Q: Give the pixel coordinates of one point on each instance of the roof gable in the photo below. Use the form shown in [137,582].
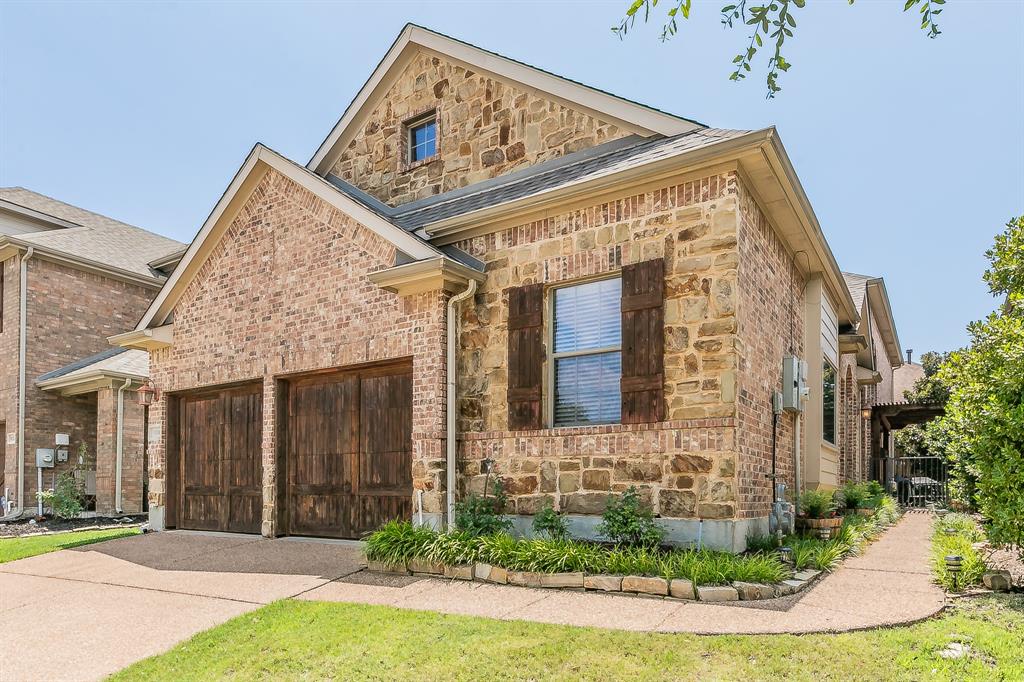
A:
[629,116]
[259,162]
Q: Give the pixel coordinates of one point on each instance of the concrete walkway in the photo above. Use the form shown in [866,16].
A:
[84,613]
[889,584]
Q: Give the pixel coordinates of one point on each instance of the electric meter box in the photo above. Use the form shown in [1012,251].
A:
[44,458]
[62,439]
[794,383]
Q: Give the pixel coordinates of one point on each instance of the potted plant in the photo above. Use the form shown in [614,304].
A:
[817,511]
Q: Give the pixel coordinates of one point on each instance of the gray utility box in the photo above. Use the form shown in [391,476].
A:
[794,383]
[45,458]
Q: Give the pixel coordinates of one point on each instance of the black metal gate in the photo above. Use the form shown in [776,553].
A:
[914,481]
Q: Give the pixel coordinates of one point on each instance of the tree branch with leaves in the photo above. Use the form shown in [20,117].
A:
[771,23]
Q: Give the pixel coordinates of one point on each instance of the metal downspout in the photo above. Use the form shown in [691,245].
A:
[451,445]
[22,335]
[120,445]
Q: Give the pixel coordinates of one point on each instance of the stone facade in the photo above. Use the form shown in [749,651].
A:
[286,292]
[685,467]
[71,313]
[486,128]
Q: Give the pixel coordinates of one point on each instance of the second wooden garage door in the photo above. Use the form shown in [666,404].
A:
[349,458]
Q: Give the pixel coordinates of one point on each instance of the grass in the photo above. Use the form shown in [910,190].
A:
[293,640]
[12,549]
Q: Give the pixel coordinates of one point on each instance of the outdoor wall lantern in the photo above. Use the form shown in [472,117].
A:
[147,394]
[954,562]
[865,412]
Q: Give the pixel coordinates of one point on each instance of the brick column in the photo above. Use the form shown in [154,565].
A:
[106,449]
[106,452]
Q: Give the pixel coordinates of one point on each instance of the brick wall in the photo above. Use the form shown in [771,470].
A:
[285,291]
[132,455]
[770,318]
[70,315]
[485,128]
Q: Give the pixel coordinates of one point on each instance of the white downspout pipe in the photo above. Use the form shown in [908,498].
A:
[451,445]
[120,445]
[22,335]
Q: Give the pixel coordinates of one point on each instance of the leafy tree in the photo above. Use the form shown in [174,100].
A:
[930,438]
[772,22]
[985,412]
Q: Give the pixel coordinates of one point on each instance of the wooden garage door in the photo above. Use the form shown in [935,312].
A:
[221,472]
[349,453]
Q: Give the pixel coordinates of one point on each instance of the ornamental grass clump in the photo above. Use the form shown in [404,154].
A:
[397,542]
[956,535]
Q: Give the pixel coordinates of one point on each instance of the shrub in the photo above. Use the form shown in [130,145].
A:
[66,498]
[854,495]
[482,514]
[549,523]
[960,524]
[627,522]
[971,569]
[817,504]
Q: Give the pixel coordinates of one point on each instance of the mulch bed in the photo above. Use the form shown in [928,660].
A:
[23,527]
[1007,560]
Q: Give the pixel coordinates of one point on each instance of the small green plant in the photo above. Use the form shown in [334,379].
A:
[67,497]
[550,523]
[956,535]
[482,514]
[627,522]
[817,504]
[761,543]
[854,495]
[828,554]
[397,542]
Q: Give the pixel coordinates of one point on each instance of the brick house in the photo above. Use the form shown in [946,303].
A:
[487,266]
[70,279]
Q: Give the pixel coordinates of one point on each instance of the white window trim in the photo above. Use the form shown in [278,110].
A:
[412,123]
[548,390]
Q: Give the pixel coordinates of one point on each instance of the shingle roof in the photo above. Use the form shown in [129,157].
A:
[100,239]
[589,164]
[858,286]
[119,360]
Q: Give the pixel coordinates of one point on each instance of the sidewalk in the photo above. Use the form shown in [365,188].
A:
[890,584]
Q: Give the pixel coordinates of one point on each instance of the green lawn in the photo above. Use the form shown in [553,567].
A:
[316,640]
[12,549]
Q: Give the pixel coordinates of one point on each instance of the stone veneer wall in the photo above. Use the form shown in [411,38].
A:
[684,466]
[486,128]
[285,291]
[70,315]
[771,305]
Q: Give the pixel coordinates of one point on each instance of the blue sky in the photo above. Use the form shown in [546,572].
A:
[911,150]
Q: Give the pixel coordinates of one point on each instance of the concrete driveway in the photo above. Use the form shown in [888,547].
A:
[81,614]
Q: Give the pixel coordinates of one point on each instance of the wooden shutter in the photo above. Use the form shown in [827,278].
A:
[643,342]
[525,356]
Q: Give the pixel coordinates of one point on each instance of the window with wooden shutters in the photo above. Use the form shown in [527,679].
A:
[643,342]
[586,345]
[525,356]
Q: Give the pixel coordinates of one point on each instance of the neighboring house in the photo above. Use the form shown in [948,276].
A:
[906,377]
[484,267]
[70,279]
[868,355]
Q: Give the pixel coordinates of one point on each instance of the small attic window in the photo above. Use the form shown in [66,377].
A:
[422,138]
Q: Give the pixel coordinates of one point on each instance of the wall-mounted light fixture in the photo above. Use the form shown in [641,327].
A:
[865,412]
[147,394]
